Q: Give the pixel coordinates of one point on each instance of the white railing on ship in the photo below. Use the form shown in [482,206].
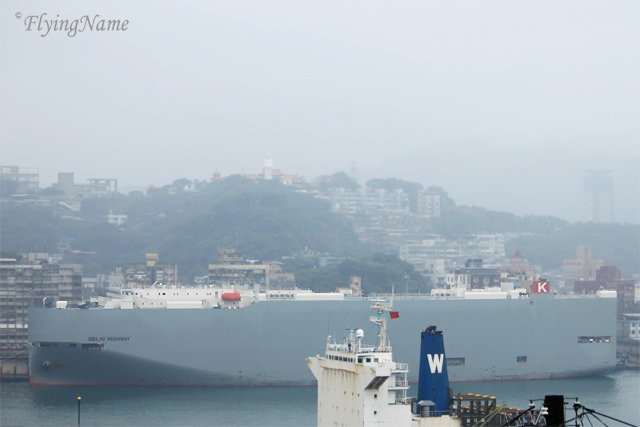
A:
[399,383]
[361,349]
[425,296]
[401,367]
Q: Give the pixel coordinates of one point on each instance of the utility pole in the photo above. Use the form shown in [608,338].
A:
[79,399]
[406,283]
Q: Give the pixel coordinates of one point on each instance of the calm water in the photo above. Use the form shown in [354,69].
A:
[617,394]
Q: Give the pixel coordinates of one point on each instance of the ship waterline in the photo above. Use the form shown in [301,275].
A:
[266,343]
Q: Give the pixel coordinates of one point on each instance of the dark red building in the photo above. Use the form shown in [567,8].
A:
[608,278]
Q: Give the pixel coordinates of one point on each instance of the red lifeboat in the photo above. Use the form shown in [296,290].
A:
[231,296]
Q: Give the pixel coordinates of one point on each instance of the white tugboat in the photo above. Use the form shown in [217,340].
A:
[361,385]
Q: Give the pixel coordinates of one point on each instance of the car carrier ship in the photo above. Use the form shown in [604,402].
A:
[227,336]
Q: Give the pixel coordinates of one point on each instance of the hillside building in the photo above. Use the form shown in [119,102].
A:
[477,276]
[367,200]
[234,268]
[66,184]
[518,266]
[428,204]
[150,272]
[116,219]
[32,281]
[433,255]
[582,267]
[18,180]
[95,188]
[609,277]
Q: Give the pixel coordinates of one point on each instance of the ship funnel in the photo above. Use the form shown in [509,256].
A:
[433,382]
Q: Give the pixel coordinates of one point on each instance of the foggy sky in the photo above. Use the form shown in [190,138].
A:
[505,104]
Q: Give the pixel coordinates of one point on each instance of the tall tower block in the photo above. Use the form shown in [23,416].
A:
[598,196]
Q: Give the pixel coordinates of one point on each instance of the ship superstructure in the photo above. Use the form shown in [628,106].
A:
[362,385]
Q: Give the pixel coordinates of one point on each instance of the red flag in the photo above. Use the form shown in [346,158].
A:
[394,314]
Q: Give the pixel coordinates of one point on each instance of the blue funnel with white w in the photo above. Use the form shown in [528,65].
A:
[433,384]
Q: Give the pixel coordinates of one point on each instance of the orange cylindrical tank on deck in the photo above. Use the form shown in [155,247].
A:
[231,296]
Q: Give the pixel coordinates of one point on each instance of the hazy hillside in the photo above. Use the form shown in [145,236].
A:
[264,220]
[379,272]
[267,220]
[546,240]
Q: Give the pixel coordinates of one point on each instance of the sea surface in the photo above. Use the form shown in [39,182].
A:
[617,395]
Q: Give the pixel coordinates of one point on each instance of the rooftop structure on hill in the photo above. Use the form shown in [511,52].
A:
[18,180]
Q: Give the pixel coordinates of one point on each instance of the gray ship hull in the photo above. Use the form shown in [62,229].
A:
[266,343]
